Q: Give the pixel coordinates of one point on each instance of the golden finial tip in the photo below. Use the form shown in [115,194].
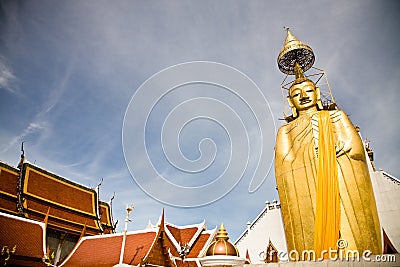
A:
[222,233]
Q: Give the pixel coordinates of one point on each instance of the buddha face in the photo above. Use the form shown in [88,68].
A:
[303,96]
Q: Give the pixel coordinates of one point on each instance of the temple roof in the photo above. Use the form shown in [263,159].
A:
[391,178]
[70,205]
[8,188]
[104,250]
[203,241]
[28,237]
[157,245]
[73,208]
[184,234]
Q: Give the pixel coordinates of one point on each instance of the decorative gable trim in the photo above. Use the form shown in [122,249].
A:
[210,239]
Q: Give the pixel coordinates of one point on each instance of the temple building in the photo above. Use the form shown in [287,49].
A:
[59,211]
[163,244]
[48,220]
[264,234]
[386,191]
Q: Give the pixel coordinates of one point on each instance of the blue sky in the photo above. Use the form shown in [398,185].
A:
[69,69]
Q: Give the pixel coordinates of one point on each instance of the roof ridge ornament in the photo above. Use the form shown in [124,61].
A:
[23,159]
[222,233]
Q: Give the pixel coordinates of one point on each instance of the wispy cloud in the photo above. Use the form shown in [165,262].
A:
[7,78]
[39,124]
[33,127]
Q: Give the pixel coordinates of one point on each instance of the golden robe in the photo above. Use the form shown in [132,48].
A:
[296,161]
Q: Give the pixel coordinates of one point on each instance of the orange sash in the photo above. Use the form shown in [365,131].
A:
[327,217]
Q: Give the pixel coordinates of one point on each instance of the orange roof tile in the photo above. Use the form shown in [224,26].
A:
[8,188]
[95,251]
[48,187]
[105,213]
[201,244]
[137,246]
[71,205]
[194,235]
[8,205]
[150,245]
[182,235]
[168,243]
[104,250]
[27,235]
[8,180]
[62,219]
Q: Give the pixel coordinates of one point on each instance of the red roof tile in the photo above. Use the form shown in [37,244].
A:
[137,246]
[105,213]
[8,205]
[149,245]
[182,235]
[104,250]
[48,187]
[194,235]
[96,251]
[71,205]
[8,180]
[27,235]
[171,246]
[201,243]
[8,188]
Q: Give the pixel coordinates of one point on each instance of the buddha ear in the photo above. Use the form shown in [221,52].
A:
[319,102]
[294,110]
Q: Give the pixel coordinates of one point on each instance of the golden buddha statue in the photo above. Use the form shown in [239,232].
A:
[321,170]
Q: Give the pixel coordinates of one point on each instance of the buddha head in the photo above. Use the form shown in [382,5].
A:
[303,95]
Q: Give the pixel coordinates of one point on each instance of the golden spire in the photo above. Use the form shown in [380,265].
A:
[222,233]
[292,52]
[290,37]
